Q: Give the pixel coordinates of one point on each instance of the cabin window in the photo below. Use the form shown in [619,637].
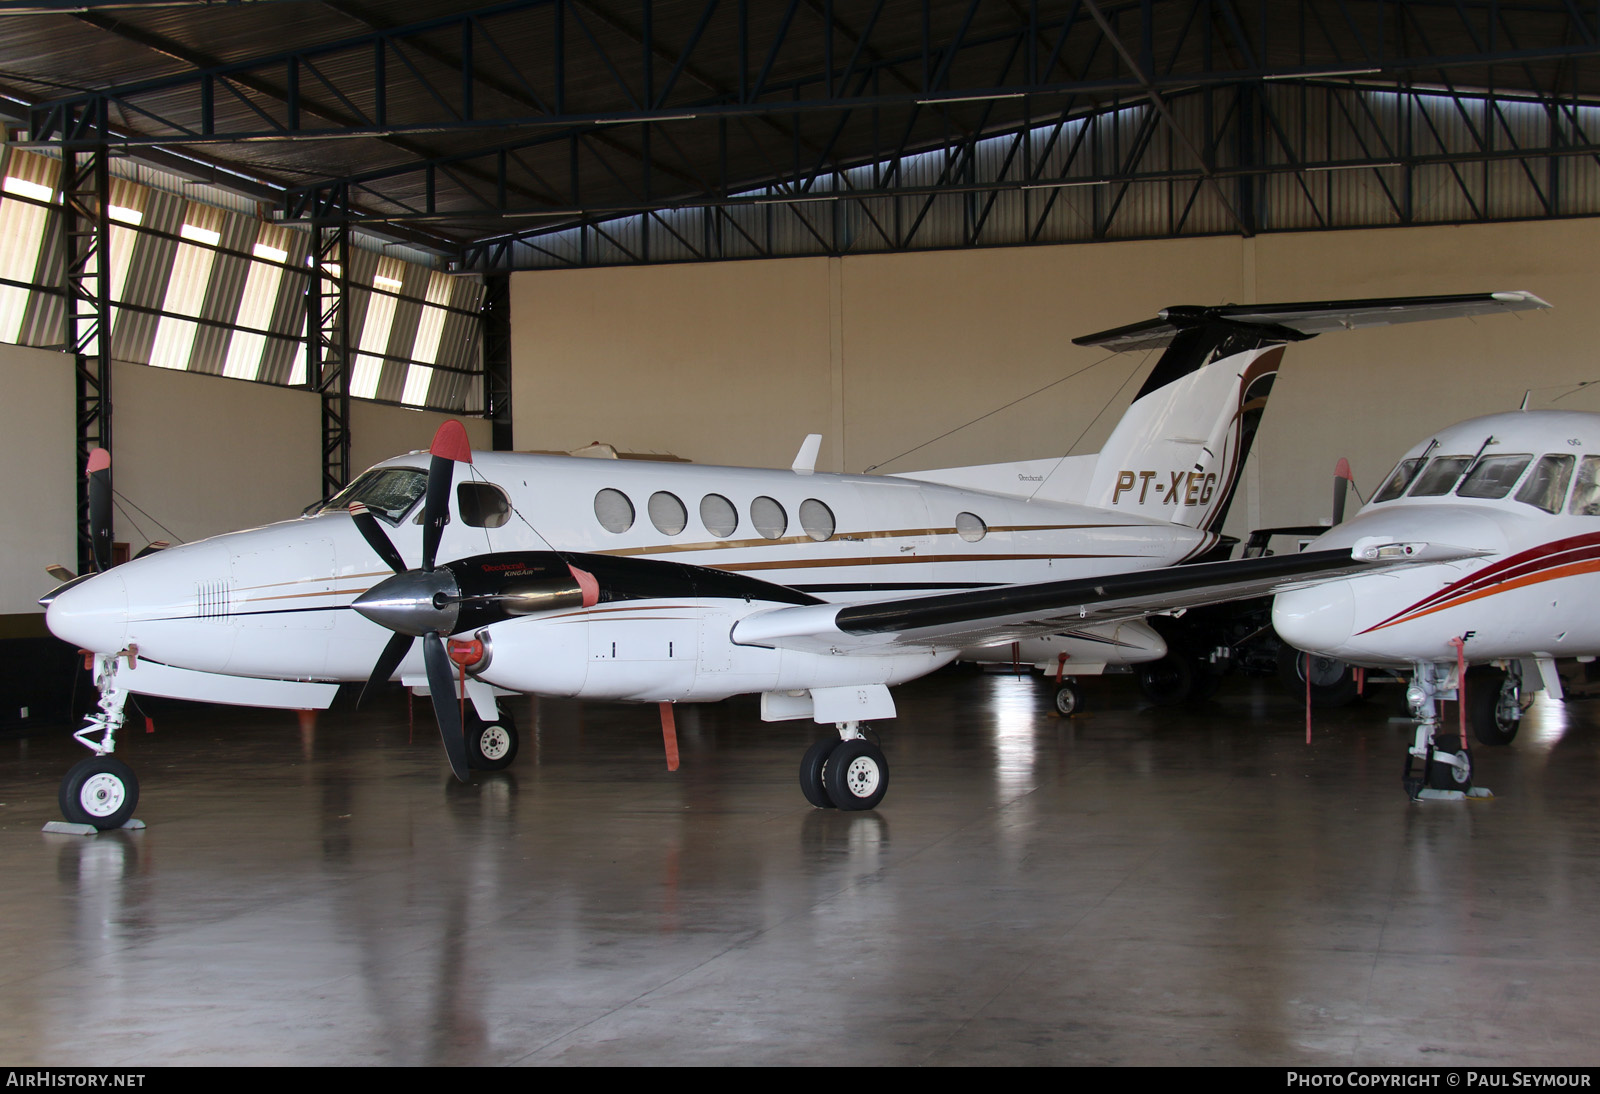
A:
[970,527]
[1440,476]
[482,505]
[769,518]
[613,510]
[1399,479]
[718,515]
[1586,495]
[1494,476]
[667,513]
[1546,487]
[817,519]
[387,492]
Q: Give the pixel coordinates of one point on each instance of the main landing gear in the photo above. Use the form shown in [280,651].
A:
[101,791]
[1446,762]
[491,746]
[847,773]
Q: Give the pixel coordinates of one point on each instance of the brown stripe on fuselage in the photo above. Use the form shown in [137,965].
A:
[892,560]
[886,533]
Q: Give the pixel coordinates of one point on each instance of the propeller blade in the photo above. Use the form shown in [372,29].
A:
[442,689]
[389,660]
[99,472]
[377,538]
[1342,481]
[450,447]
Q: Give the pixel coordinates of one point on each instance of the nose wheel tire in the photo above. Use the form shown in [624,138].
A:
[1443,775]
[856,775]
[100,791]
[491,746]
[812,766]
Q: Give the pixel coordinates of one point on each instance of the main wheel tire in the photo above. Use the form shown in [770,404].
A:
[1447,776]
[1069,700]
[1169,681]
[101,791]
[1494,705]
[856,775]
[1333,682]
[812,766]
[491,746]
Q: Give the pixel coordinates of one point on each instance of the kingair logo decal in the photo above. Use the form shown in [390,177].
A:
[1181,487]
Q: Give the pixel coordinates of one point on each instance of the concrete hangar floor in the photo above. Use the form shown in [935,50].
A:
[1125,886]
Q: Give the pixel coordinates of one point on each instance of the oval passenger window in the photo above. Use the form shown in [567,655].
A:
[613,510]
[667,513]
[817,519]
[718,515]
[769,518]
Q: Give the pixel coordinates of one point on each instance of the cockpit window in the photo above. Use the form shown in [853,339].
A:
[1440,476]
[482,505]
[1547,482]
[1494,476]
[1586,495]
[388,492]
[1399,479]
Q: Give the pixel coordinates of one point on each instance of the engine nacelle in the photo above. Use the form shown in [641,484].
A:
[681,650]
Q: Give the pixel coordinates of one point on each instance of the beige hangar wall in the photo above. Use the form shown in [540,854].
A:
[200,454]
[37,494]
[736,362]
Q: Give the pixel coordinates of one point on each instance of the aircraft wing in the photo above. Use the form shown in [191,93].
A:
[1007,613]
[1295,322]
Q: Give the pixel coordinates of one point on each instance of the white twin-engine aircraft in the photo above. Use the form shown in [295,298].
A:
[1523,489]
[680,583]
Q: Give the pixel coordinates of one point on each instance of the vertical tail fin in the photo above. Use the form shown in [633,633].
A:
[1177,453]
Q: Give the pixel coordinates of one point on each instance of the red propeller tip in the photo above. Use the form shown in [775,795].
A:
[451,442]
[1341,470]
[99,460]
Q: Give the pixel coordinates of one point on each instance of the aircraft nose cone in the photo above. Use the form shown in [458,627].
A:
[1316,620]
[92,615]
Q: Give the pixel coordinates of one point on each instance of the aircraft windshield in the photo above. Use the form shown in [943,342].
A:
[388,492]
[1586,495]
[1546,487]
[1494,476]
[1400,479]
[1440,476]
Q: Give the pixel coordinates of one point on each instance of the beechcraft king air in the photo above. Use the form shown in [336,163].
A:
[1521,491]
[499,573]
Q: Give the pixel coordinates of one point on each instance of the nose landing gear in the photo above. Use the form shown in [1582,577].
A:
[1446,763]
[101,792]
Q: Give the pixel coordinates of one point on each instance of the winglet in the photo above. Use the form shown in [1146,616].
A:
[451,442]
[805,461]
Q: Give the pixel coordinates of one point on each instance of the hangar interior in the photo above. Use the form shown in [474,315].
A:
[273,243]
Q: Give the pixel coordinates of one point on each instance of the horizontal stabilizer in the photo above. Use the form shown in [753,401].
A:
[1296,322]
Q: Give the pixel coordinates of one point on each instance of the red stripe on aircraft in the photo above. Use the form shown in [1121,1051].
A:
[1548,562]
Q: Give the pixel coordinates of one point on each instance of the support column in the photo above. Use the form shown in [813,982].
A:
[327,349]
[497,357]
[86,235]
